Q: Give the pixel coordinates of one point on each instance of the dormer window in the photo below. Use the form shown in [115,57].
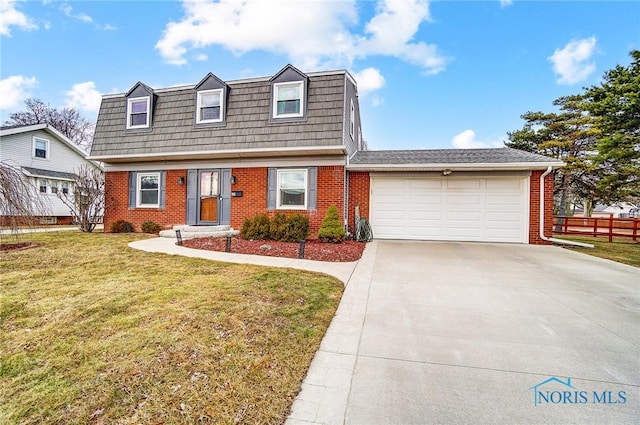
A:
[288,100]
[138,112]
[210,106]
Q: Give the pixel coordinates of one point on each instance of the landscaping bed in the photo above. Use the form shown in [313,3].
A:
[314,249]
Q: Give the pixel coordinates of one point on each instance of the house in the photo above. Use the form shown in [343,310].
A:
[48,160]
[217,152]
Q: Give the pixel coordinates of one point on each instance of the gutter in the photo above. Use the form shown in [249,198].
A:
[542,236]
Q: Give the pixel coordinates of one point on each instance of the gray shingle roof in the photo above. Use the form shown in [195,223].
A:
[449,156]
[247,121]
[38,172]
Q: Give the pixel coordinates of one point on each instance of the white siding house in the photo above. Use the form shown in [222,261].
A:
[48,159]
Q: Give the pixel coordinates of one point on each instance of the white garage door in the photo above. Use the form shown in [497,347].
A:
[492,209]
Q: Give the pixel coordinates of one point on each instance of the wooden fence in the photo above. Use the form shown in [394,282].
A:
[597,226]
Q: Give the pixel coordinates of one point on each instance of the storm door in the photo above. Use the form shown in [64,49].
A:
[209,197]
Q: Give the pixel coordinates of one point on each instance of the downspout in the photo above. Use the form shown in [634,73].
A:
[542,236]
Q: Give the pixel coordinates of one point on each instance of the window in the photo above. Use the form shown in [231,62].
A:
[148,190]
[210,106]
[288,100]
[54,186]
[40,148]
[42,185]
[138,111]
[65,188]
[292,189]
[352,121]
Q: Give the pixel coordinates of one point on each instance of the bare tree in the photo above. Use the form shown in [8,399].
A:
[20,204]
[87,202]
[68,121]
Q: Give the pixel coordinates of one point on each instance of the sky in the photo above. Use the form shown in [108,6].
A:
[431,74]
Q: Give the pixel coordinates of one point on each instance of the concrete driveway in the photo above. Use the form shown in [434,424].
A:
[454,333]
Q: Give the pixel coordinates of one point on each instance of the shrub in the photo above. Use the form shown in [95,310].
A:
[297,228]
[279,227]
[121,226]
[331,230]
[256,228]
[150,227]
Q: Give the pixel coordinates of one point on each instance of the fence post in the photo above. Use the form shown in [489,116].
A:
[635,229]
[610,227]
[595,227]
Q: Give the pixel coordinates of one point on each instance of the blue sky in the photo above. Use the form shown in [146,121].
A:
[437,74]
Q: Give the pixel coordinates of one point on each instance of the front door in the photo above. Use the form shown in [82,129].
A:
[209,197]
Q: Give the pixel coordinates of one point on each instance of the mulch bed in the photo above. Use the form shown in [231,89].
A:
[16,246]
[314,249]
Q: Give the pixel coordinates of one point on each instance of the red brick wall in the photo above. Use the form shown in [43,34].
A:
[534,207]
[359,189]
[253,183]
[117,194]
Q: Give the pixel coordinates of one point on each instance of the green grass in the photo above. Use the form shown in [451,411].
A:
[93,331]
[622,250]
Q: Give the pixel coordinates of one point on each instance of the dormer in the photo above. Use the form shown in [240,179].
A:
[140,100]
[289,95]
[211,96]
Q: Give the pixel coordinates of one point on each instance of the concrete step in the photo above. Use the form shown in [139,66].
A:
[191,232]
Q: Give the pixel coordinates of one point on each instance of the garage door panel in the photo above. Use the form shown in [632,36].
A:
[503,184]
[460,209]
[502,200]
[454,184]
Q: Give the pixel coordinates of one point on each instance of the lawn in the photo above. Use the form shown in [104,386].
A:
[95,332]
[622,250]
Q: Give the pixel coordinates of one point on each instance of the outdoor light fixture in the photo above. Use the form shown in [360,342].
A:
[181,180]
[233,179]
[446,172]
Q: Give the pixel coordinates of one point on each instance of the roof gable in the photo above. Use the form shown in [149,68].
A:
[139,89]
[289,73]
[210,82]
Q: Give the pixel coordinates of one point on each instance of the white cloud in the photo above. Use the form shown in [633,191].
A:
[68,11]
[369,79]
[14,90]
[309,33]
[505,3]
[377,100]
[201,57]
[467,140]
[84,96]
[10,16]
[572,63]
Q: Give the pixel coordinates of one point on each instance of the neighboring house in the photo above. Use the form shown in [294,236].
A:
[48,159]
[621,210]
[217,152]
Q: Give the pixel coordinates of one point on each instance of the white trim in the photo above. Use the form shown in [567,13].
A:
[276,88]
[238,81]
[47,148]
[199,119]
[231,153]
[457,166]
[306,189]
[293,161]
[352,121]
[139,203]
[130,101]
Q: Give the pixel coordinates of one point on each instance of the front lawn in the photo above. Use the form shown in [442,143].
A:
[93,331]
[622,250]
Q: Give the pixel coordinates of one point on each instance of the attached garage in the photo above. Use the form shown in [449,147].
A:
[452,208]
[475,195]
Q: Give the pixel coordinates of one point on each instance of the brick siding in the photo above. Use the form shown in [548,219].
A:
[534,207]
[117,202]
[253,183]
[359,189]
